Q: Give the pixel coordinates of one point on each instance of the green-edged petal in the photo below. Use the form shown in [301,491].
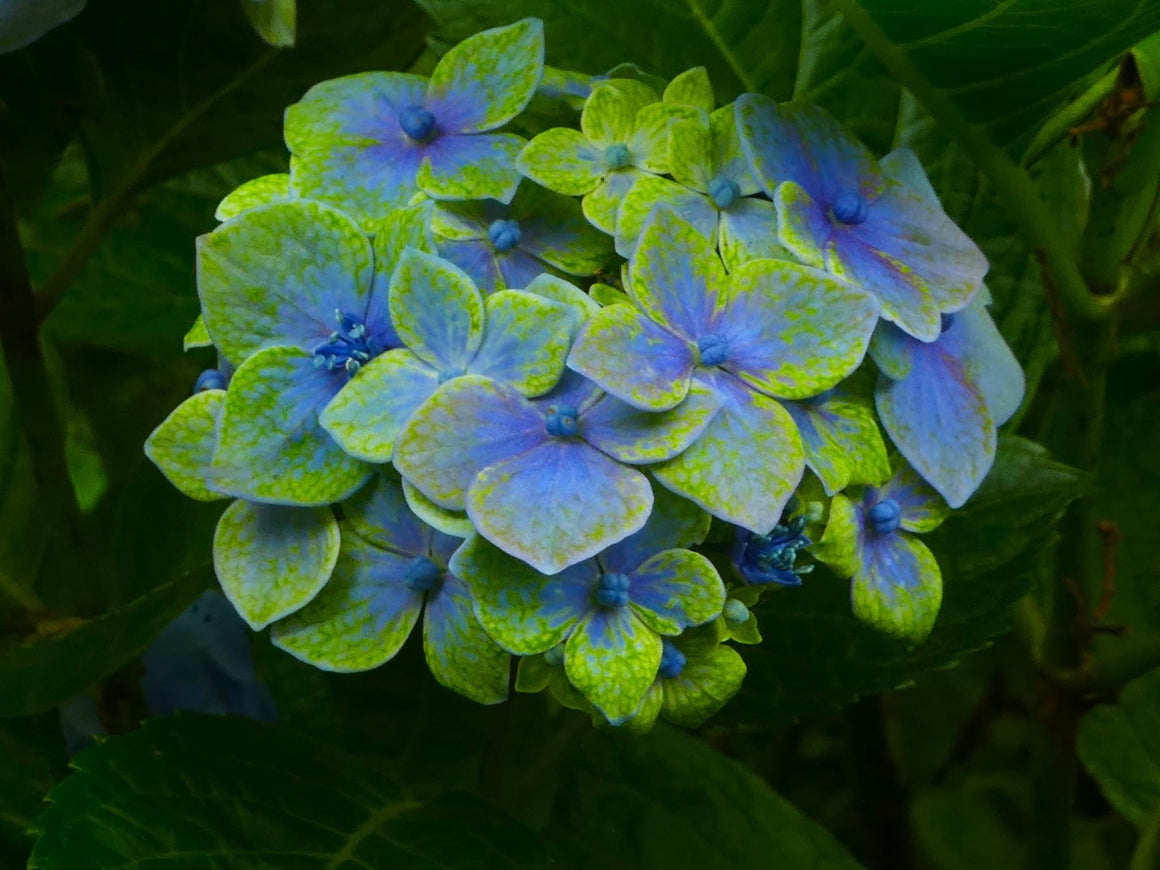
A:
[488,79]
[612,658]
[437,310]
[704,686]
[526,612]
[182,446]
[609,113]
[449,522]
[898,586]
[257,191]
[748,231]
[646,715]
[369,412]
[745,465]
[271,447]
[691,153]
[691,88]
[802,229]
[563,160]
[646,194]
[649,143]
[675,590]
[525,343]
[579,304]
[842,441]
[637,437]
[923,509]
[482,166]
[276,274]
[272,560]
[198,335]
[459,652]
[361,618]
[405,227]
[601,205]
[838,546]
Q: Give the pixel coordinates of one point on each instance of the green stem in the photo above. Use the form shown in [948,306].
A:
[1147,853]
[1013,185]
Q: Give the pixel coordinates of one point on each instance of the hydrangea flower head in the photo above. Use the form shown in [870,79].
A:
[392,568]
[769,330]
[610,612]
[896,585]
[552,481]
[511,245]
[623,136]
[368,142]
[840,210]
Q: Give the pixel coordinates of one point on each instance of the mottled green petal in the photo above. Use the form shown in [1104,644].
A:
[842,441]
[360,619]
[691,153]
[602,204]
[257,191]
[612,658]
[561,159]
[472,167]
[637,437]
[703,687]
[676,589]
[525,343]
[605,295]
[370,411]
[799,230]
[459,652]
[610,112]
[646,194]
[198,335]
[748,231]
[580,304]
[449,522]
[405,227]
[437,310]
[691,88]
[182,446]
[838,545]
[271,447]
[649,143]
[646,715]
[273,560]
[488,79]
[898,586]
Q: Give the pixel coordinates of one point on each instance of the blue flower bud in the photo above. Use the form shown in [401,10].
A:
[850,207]
[735,611]
[555,655]
[723,191]
[562,422]
[210,379]
[713,349]
[422,574]
[885,516]
[417,123]
[673,661]
[616,157]
[504,234]
[612,590]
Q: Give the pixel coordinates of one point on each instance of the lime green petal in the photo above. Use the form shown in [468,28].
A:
[842,441]
[459,652]
[271,560]
[796,232]
[649,143]
[838,545]
[898,587]
[580,304]
[562,160]
[437,310]
[646,194]
[525,343]
[646,715]
[609,113]
[449,522]
[605,295]
[691,153]
[533,674]
[182,446]
[257,191]
[703,687]
[482,166]
[601,205]
[198,335]
[612,658]
[405,227]
[691,88]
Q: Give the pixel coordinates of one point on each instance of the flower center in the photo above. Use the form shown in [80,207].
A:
[504,234]
[422,574]
[561,421]
[723,191]
[885,516]
[850,207]
[713,349]
[348,347]
[617,157]
[772,558]
[417,123]
[672,661]
[612,590]
[948,320]
[210,379]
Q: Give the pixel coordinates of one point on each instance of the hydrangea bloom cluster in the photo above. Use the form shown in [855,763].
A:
[580,396]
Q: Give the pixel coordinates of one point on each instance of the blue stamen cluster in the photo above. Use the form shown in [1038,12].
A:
[562,421]
[772,558]
[504,234]
[612,590]
[346,348]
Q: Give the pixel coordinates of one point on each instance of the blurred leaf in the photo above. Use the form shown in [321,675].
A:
[66,656]
[273,19]
[216,790]
[1120,746]
[816,656]
[972,824]
[32,760]
[745,44]
[668,800]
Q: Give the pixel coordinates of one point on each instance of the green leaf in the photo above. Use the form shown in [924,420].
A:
[745,45]
[32,760]
[669,800]
[274,20]
[1120,746]
[65,656]
[205,790]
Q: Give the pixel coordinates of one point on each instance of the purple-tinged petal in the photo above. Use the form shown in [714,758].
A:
[488,79]
[677,276]
[675,523]
[792,331]
[525,342]
[637,437]
[558,504]
[649,144]
[898,586]
[437,311]
[352,110]
[676,589]
[802,226]
[632,358]
[746,464]
[612,658]
[476,258]
[275,275]
[892,350]
[471,167]
[749,231]
[554,229]
[366,180]
[842,441]
[370,411]
[518,269]
[922,509]
[525,611]
[459,652]
[973,339]
[470,423]
[403,228]
[380,515]
[939,420]
[360,619]
[271,447]
[573,390]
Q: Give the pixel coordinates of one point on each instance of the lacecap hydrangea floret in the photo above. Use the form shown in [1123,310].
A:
[580,397]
